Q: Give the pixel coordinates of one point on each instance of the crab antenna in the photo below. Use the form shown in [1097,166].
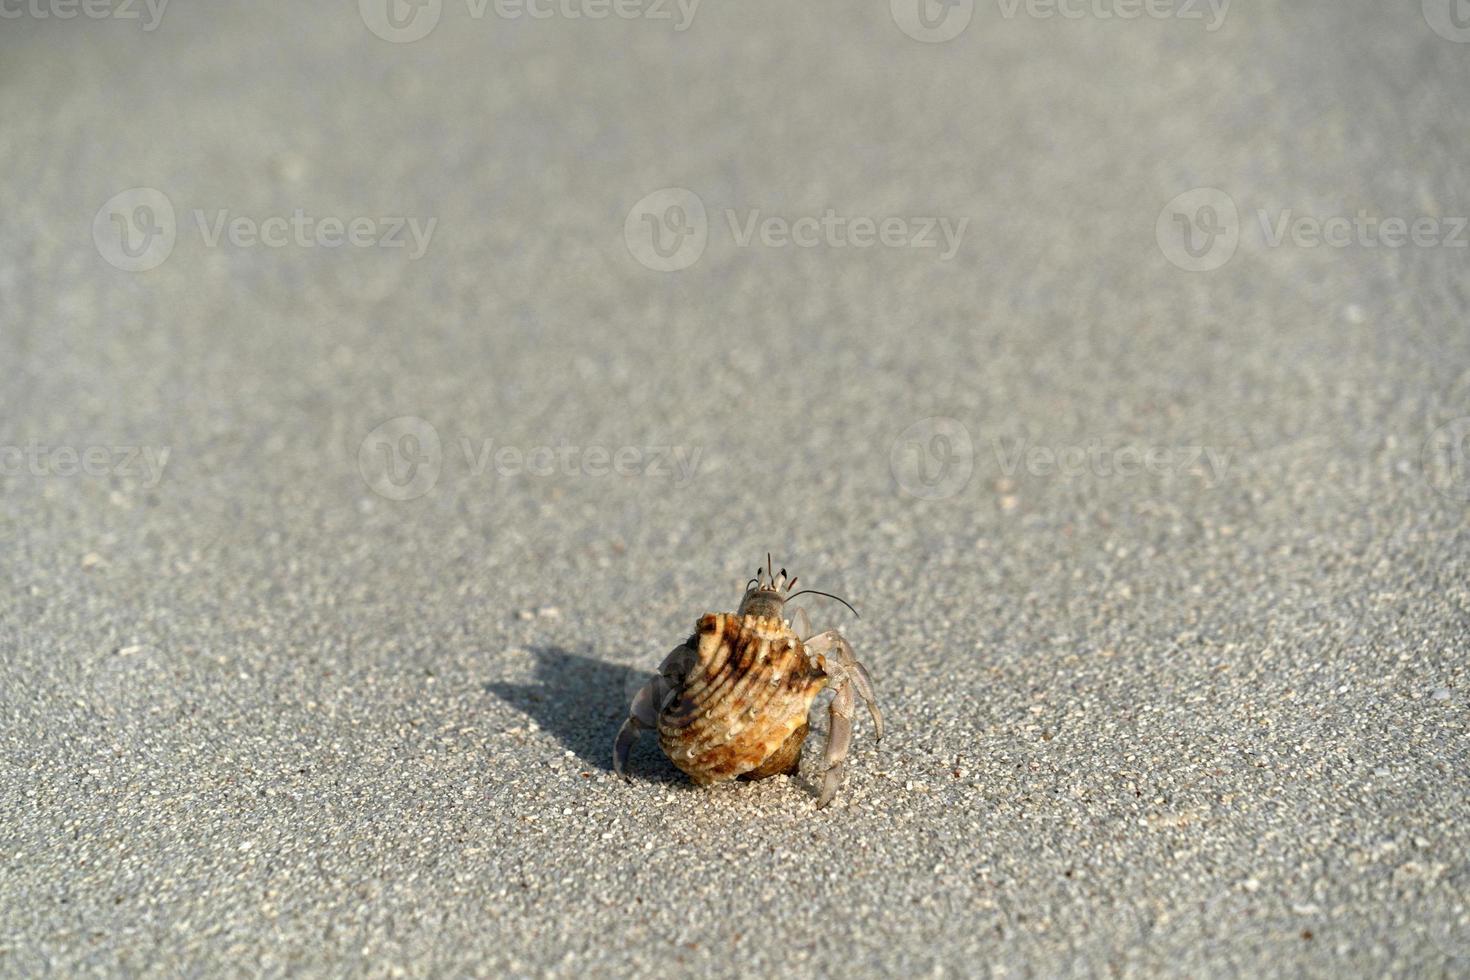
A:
[791,584]
[828,595]
[768,567]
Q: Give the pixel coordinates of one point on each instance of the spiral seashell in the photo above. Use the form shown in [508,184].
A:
[742,708]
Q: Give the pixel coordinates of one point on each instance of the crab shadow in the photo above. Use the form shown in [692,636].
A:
[582,702]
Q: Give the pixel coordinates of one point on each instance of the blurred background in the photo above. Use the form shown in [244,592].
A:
[388,385]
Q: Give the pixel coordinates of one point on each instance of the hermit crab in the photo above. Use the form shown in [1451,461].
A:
[733,699]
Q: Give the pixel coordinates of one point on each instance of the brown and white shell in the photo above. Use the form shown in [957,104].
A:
[741,709]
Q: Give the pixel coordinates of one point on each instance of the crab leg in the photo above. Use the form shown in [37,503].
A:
[864,685]
[847,666]
[642,714]
[839,740]
[651,699]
